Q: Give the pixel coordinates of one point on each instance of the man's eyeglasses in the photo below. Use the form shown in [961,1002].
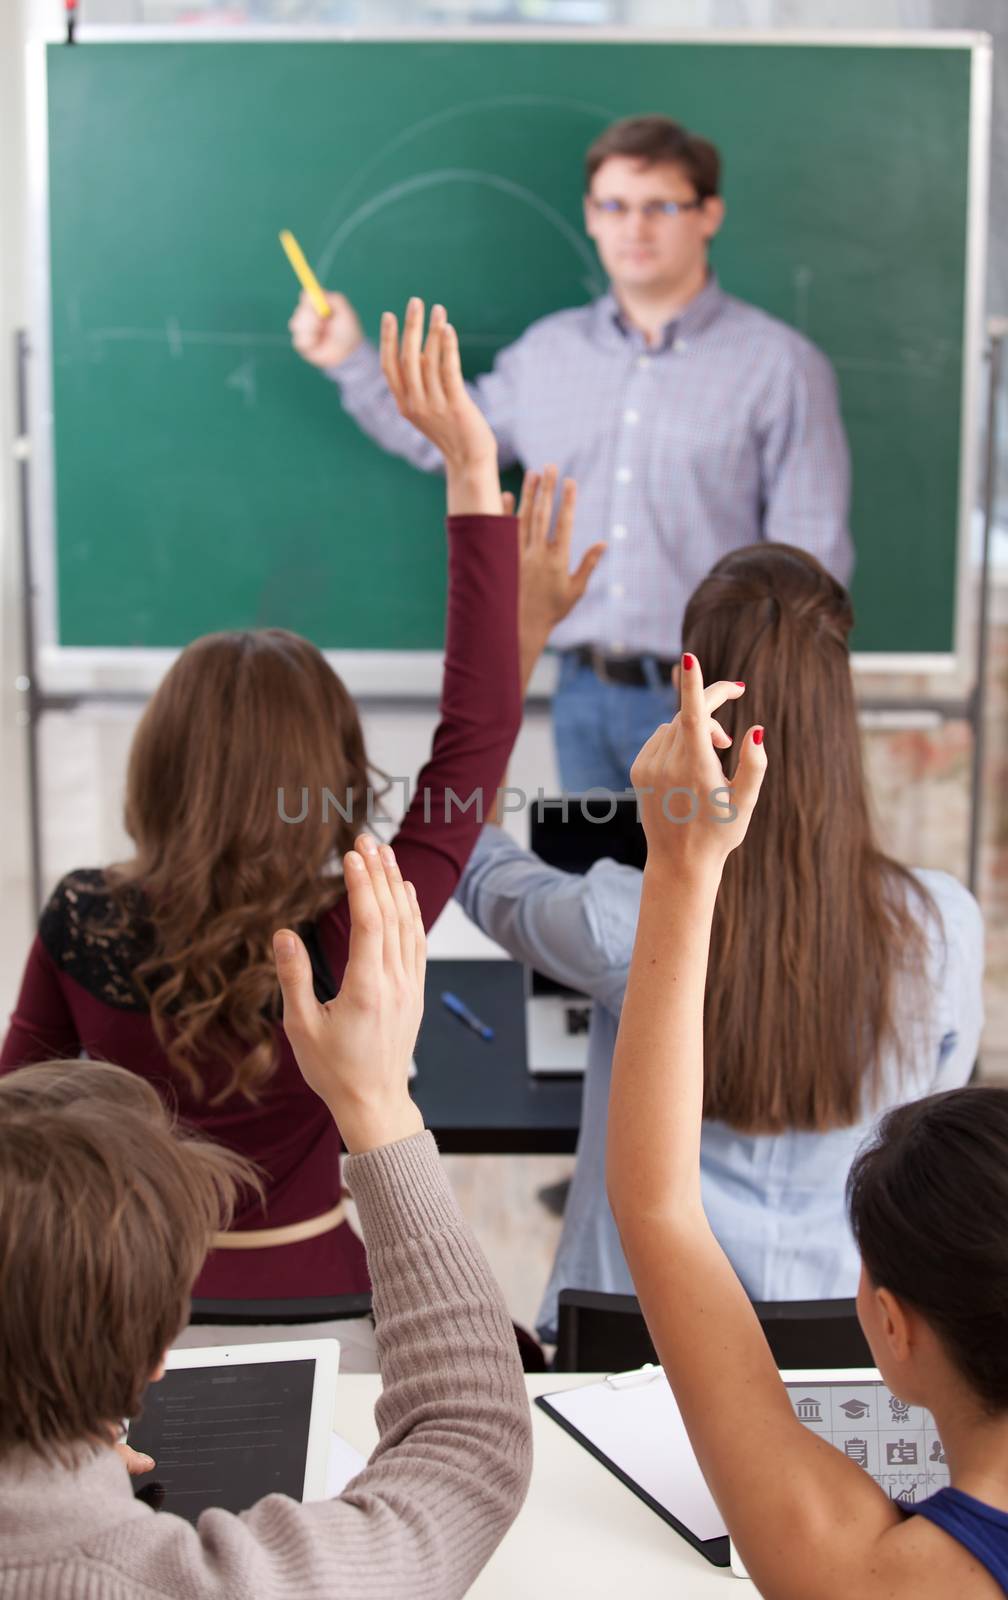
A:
[653,210]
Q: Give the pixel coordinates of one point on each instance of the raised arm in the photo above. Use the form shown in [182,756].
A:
[452,1465]
[547,589]
[806,1520]
[337,345]
[576,928]
[424,382]
[481,693]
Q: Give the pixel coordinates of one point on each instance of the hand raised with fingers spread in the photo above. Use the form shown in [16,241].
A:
[426,380]
[692,815]
[548,589]
[355,1051]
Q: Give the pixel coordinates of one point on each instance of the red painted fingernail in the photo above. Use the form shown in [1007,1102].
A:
[757,736]
[739,684]
[687,662]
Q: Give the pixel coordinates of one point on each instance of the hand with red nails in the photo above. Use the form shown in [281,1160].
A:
[698,1314]
[692,814]
[355,1051]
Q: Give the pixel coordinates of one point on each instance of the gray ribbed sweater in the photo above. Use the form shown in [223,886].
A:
[444,1484]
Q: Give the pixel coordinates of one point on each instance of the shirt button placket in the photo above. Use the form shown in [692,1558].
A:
[627,452]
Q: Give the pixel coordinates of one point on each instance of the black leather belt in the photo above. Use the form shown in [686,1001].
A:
[622,669]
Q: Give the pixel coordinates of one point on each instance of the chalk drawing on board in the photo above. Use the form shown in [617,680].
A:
[489,180]
[175,341]
[481,107]
[911,361]
[174,338]
[244,380]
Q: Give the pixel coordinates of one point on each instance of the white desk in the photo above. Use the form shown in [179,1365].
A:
[580,1532]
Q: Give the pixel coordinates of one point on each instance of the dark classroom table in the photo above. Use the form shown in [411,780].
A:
[476,1095]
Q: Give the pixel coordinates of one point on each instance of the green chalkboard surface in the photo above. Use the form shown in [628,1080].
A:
[206,478]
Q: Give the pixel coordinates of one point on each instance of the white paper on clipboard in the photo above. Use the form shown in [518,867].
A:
[640,1431]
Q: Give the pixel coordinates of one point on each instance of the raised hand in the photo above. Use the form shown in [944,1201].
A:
[548,589]
[692,815]
[426,381]
[355,1052]
[325,341]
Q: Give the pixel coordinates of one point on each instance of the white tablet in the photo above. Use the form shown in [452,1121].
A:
[897,1443]
[231,1424]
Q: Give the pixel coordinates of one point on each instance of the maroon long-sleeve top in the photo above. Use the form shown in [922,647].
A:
[77,993]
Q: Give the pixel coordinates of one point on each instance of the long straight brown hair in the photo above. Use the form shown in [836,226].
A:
[245,730]
[815,927]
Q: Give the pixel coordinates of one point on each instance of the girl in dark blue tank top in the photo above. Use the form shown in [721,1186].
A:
[817,1485]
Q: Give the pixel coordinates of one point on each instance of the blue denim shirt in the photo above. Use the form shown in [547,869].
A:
[775,1201]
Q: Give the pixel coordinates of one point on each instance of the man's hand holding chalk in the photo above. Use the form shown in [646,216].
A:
[303,272]
[324,328]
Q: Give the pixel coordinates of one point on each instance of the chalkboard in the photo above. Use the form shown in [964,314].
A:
[205,478]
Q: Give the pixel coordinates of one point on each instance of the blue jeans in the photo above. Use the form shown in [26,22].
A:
[598,728]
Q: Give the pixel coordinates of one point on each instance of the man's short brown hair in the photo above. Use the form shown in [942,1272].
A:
[658,141]
[106,1215]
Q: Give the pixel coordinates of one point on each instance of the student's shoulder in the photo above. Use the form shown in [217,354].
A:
[956,916]
[96,934]
[77,900]
[165,1555]
[916,1556]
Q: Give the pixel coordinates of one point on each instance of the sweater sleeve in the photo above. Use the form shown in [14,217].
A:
[481,710]
[42,1026]
[452,1465]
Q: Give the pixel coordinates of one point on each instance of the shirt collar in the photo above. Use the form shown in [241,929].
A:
[611,324]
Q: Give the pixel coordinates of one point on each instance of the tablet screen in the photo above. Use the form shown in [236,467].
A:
[225,1436]
[898,1444]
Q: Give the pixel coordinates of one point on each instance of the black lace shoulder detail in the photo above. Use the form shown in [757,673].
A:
[84,931]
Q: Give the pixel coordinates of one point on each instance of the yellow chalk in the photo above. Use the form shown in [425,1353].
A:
[306,277]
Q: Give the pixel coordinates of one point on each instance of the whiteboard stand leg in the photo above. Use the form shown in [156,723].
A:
[31,702]
[997,329]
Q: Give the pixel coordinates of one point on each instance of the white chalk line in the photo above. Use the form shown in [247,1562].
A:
[440,117]
[446,175]
[173,336]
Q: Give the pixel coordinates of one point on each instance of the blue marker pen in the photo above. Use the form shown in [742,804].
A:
[459,1009]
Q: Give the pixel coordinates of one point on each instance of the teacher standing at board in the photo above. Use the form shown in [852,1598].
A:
[692,422]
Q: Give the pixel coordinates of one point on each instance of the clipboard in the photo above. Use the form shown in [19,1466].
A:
[631,1424]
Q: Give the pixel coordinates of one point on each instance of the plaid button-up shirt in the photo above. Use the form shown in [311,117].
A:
[726,432]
